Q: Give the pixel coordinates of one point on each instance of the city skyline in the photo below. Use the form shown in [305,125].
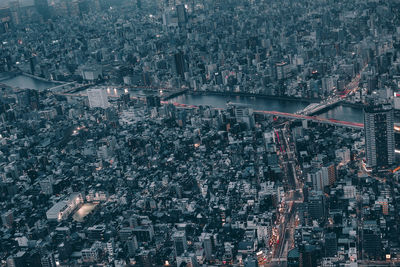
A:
[254,133]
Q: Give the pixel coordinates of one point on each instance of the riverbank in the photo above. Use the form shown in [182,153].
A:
[271,97]
[353,105]
[12,74]
[41,79]
[7,75]
[174,94]
[220,100]
[19,79]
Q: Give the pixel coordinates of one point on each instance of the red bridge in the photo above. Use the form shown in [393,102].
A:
[291,116]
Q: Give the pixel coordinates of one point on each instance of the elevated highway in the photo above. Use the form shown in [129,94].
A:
[291,116]
[319,107]
[350,89]
[313,118]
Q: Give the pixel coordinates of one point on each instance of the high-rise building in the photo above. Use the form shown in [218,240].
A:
[46,185]
[132,245]
[371,240]
[330,245]
[7,218]
[180,242]
[32,64]
[126,233]
[329,173]
[316,206]
[64,250]
[180,64]
[17,260]
[244,114]
[97,98]
[207,239]
[318,179]
[308,255]
[96,232]
[379,135]
[181,13]
[397,138]
[144,233]
[293,257]
[48,260]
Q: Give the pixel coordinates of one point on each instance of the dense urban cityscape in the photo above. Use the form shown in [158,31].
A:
[197,133]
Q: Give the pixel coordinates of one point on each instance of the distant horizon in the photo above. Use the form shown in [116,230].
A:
[21,2]
[5,3]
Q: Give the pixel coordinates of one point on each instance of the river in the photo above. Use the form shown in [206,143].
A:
[342,113]
[25,82]
[220,101]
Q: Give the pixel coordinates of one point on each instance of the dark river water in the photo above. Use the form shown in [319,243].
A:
[23,82]
[220,101]
[343,113]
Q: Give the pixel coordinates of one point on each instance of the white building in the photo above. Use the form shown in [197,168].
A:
[96,196]
[91,73]
[46,185]
[396,101]
[90,254]
[62,209]
[318,179]
[98,98]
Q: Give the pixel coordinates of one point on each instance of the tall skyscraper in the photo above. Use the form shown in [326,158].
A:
[371,240]
[318,179]
[329,173]
[379,135]
[180,243]
[181,13]
[308,255]
[207,239]
[7,218]
[180,63]
[330,245]
[317,206]
[97,98]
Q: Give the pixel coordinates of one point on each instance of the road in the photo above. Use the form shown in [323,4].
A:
[293,195]
[293,192]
